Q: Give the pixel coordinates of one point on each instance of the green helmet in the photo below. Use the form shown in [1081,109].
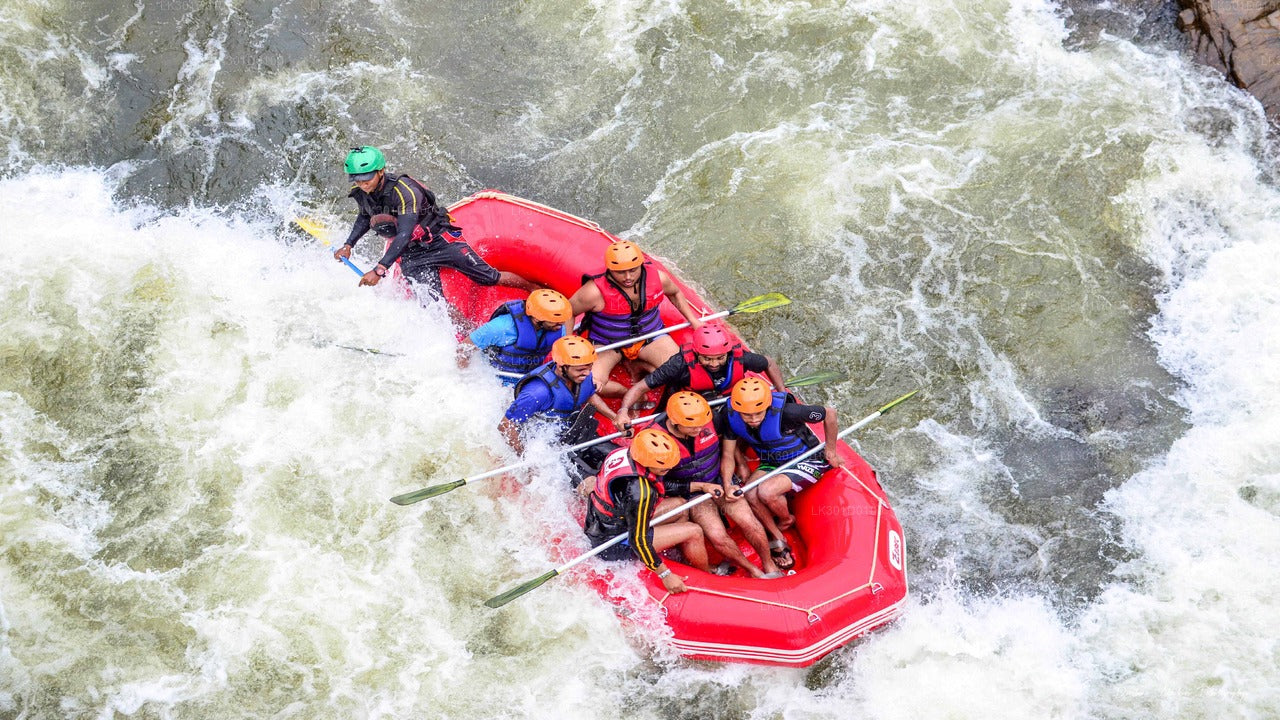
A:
[363,162]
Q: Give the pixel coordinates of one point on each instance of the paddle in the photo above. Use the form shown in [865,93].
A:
[316,230]
[371,351]
[410,498]
[506,597]
[750,305]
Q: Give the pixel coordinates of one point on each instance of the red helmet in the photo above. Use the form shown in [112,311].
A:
[711,340]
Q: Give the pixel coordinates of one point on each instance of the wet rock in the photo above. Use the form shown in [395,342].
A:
[1145,22]
[1242,39]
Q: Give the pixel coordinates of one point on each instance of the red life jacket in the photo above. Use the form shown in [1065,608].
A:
[619,320]
[700,380]
[618,465]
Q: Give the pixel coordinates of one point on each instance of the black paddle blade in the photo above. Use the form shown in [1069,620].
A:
[498,601]
[410,498]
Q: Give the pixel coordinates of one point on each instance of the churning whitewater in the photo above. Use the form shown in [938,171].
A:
[1066,240]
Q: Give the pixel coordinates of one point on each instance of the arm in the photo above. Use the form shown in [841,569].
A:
[642,498]
[728,450]
[534,398]
[358,229]
[587,299]
[406,221]
[498,332]
[775,375]
[463,353]
[511,433]
[831,429]
[677,298]
[598,403]
[632,396]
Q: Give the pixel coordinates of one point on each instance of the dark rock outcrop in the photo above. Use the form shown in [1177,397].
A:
[1242,39]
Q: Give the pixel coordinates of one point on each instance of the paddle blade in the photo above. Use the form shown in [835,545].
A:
[371,351]
[314,228]
[817,378]
[498,601]
[897,402]
[427,492]
[760,302]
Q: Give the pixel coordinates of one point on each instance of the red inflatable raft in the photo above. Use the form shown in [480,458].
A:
[849,574]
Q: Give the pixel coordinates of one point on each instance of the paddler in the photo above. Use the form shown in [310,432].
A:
[696,430]
[776,427]
[623,302]
[555,392]
[709,365]
[629,490]
[520,333]
[423,236]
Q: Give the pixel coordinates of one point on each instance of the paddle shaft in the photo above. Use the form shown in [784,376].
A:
[313,229]
[662,331]
[354,268]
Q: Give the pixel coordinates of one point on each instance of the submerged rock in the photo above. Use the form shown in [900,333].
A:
[1242,39]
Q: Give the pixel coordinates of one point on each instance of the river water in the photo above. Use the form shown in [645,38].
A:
[1057,227]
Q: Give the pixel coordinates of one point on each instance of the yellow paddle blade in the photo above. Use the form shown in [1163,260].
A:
[760,302]
[314,228]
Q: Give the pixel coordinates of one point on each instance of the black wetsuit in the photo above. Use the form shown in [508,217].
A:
[426,238]
[673,375]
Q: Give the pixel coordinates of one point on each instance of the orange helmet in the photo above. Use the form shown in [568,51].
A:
[751,395]
[654,448]
[623,255]
[573,350]
[548,306]
[689,409]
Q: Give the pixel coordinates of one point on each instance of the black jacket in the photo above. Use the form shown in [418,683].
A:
[414,207]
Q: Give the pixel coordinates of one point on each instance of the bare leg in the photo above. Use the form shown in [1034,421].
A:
[773,494]
[604,365]
[658,351]
[762,512]
[713,529]
[666,505]
[688,536]
[740,512]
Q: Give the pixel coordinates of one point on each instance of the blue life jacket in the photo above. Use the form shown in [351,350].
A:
[769,441]
[531,345]
[564,404]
